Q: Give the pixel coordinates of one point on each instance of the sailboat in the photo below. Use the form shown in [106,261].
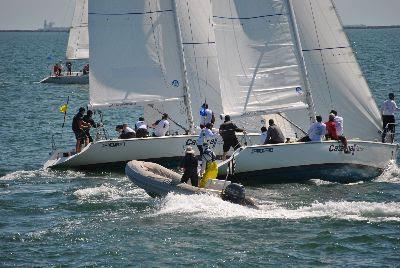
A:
[293,59]
[77,48]
[155,54]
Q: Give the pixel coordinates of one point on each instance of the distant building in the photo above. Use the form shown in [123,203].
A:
[49,27]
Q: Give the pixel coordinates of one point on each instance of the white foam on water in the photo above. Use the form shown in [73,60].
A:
[391,174]
[27,174]
[108,192]
[206,206]
[321,182]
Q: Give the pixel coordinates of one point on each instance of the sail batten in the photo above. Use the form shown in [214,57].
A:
[78,40]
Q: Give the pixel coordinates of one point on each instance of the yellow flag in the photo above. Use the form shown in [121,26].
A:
[63,108]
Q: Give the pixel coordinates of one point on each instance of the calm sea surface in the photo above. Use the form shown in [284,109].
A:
[54,218]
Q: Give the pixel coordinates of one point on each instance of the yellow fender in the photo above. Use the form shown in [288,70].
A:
[210,173]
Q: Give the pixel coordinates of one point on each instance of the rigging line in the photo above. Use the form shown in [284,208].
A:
[157,46]
[173,121]
[292,123]
[322,58]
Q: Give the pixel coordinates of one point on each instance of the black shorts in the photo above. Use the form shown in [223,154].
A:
[234,143]
[80,134]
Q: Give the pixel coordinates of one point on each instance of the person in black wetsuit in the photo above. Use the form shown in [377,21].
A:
[227,131]
[79,127]
[189,165]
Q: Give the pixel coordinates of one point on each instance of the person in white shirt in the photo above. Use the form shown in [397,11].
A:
[206,115]
[161,127]
[141,128]
[339,123]
[205,135]
[263,136]
[388,109]
[316,132]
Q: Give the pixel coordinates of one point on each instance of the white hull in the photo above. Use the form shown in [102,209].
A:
[163,150]
[75,78]
[300,161]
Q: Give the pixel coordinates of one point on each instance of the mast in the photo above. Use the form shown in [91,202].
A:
[309,99]
[185,86]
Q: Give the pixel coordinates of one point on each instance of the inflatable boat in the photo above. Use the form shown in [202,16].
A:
[158,181]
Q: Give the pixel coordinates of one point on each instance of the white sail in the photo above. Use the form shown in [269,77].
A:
[197,35]
[78,41]
[259,69]
[135,58]
[334,74]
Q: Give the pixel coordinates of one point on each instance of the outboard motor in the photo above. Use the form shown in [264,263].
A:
[234,193]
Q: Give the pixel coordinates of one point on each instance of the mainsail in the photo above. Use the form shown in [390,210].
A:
[78,42]
[334,74]
[135,59]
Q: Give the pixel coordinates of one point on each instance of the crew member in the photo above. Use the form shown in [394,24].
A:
[206,115]
[141,128]
[69,67]
[79,126]
[189,164]
[161,127]
[205,135]
[274,134]
[316,132]
[388,109]
[208,166]
[227,131]
[263,136]
[127,132]
[332,132]
[89,120]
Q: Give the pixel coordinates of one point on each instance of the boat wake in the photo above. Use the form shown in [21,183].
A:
[109,192]
[205,206]
[41,173]
[391,174]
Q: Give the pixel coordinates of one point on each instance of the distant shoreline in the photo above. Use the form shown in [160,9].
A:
[38,31]
[370,27]
[66,30]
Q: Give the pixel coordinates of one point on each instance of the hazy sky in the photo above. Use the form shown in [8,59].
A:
[30,14]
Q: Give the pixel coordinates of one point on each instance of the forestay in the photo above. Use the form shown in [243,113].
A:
[78,41]
[259,69]
[334,74]
[134,53]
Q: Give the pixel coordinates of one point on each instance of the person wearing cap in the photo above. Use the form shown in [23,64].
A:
[333,134]
[316,131]
[206,115]
[209,167]
[388,109]
[79,127]
[228,130]
[189,165]
[161,127]
[141,128]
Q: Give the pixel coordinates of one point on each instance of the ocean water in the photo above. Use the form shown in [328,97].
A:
[70,218]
